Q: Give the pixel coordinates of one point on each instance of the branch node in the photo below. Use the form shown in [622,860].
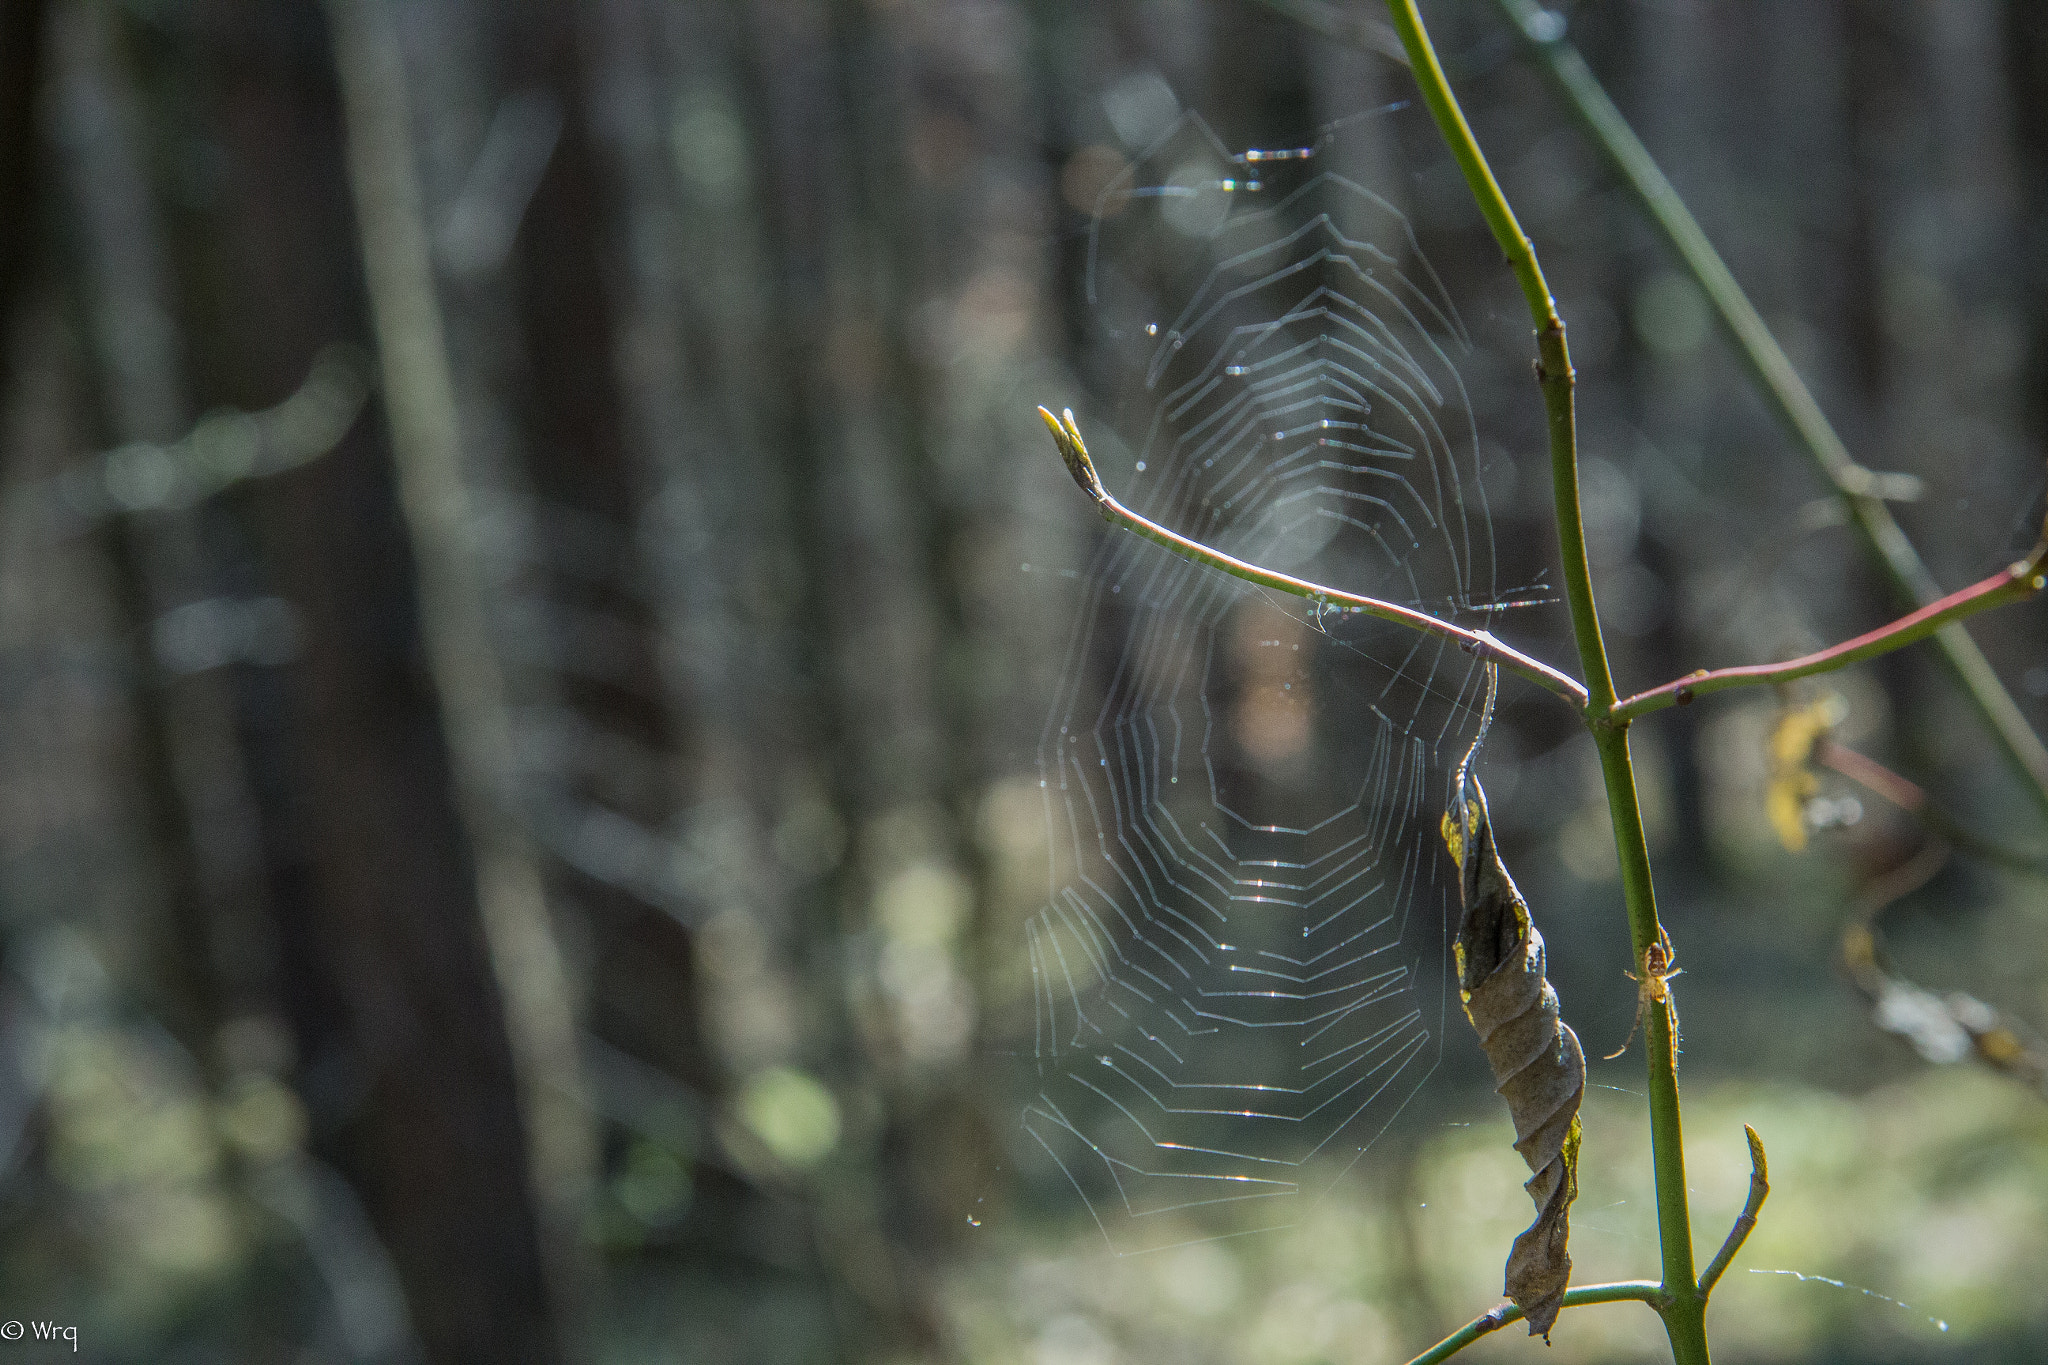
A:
[1860,482]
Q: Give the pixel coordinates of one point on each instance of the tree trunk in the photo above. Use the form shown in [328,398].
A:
[408,1074]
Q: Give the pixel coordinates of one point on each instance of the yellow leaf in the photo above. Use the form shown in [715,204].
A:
[1792,781]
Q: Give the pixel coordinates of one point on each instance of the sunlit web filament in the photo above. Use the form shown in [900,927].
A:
[1248,896]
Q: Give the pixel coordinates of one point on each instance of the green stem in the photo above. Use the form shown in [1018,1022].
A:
[2017,583]
[1774,372]
[1553,365]
[1628,1291]
[1684,1312]
[1684,1307]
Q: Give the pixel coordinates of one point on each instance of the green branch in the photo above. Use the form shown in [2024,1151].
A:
[1684,1313]
[1684,1306]
[1911,582]
[1629,1291]
[1477,642]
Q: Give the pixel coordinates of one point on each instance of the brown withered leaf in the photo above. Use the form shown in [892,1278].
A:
[1538,1067]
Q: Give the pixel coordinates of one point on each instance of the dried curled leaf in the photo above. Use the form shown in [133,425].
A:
[1538,1066]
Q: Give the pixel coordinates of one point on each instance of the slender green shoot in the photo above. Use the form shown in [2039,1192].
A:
[1553,366]
[1684,1306]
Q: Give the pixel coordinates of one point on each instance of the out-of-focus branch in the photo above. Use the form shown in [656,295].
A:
[225,448]
[1857,487]
[1943,1029]
[1874,777]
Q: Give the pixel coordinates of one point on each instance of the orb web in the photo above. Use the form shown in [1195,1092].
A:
[1239,977]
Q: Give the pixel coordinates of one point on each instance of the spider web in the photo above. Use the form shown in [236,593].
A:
[1239,978]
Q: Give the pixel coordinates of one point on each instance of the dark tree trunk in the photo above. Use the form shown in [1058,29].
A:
[21,54]
[407,1070]
[589,489]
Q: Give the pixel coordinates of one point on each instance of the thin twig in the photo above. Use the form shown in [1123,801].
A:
[1543,31]
[1872,776]
[1068,437]
[1627,1291]
[2014,584]
[1759,1188]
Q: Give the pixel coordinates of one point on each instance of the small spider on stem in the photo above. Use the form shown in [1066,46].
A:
[1654,986]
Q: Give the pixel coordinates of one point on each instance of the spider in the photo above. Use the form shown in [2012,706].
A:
[1655,987]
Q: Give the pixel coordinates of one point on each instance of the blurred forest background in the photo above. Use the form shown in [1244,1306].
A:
[519,696]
